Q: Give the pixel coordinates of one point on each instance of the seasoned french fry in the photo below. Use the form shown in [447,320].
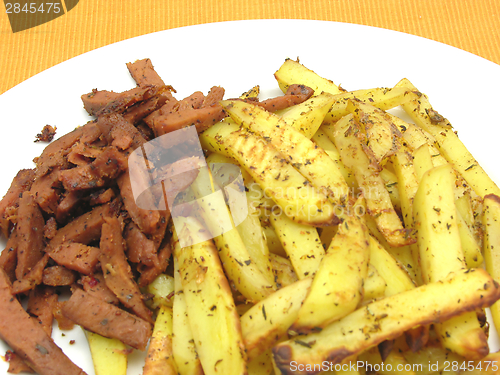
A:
[374,285]
[160,360]
[212,138]
[441,253]
[184,350]
[311,161]
[301,243]
[109,355]
[279,180]
[386,319]
[283,271]
[268,321]
[211,311]
[262,365]
[241,271]
[379,136]
[380,97]
[324,141]
[337,286]
[307,117]
[293,72]
[491,222]
[162,289]
[450,146]
[377,198]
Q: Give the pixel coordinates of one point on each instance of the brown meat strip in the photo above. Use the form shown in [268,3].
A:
[84,229]
[30,224]
[68,204]
[21,183]
[96,286]
[54,155]
[102,196]
[214,96]
[202,118]
[76,256]
[44,191]
[50,229]
[58,276]
[106,167]
[117,273]
[41,303]
[140,110]
[140,249]
[120,133]
[107,320]
[8,258]
[148,274]
[98,103]
[295,94]
[144,74]
[16,364]
[32,278]
[28,339]
[147,220]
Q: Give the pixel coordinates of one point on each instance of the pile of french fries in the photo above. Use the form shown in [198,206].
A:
[362,251]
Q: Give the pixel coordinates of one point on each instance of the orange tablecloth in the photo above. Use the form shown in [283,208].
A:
[472,25]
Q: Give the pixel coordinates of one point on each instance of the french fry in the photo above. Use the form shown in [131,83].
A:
[293,72]
[307,117]
[159,359]
[441,253]
[269,320]
[324,141]
[108,355]
[284,273]
[162,289]
[252,235]
[212,138]
[311,161]
[298,199]
[262,365]
[387,319]
[378,202]
[184,349]
[301,243]
[450,146]
[241,271]
[374,285]
[379,136]
[211,311]
[337,286]
[380,97]
[491,222]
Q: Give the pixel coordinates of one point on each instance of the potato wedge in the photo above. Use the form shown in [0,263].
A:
[378,202]
[109,355]
[441,253]
[159,359]
[298,199]
[210,306]
[304,155]
[337,286]
[162,288]
[386,319]
[284,273]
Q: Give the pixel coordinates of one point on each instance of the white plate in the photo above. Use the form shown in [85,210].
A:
[238,55]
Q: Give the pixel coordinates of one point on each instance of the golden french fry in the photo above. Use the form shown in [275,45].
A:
[159,359]
[441,253]
[337,286]
[108,355]
[210,306]
[387,319]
